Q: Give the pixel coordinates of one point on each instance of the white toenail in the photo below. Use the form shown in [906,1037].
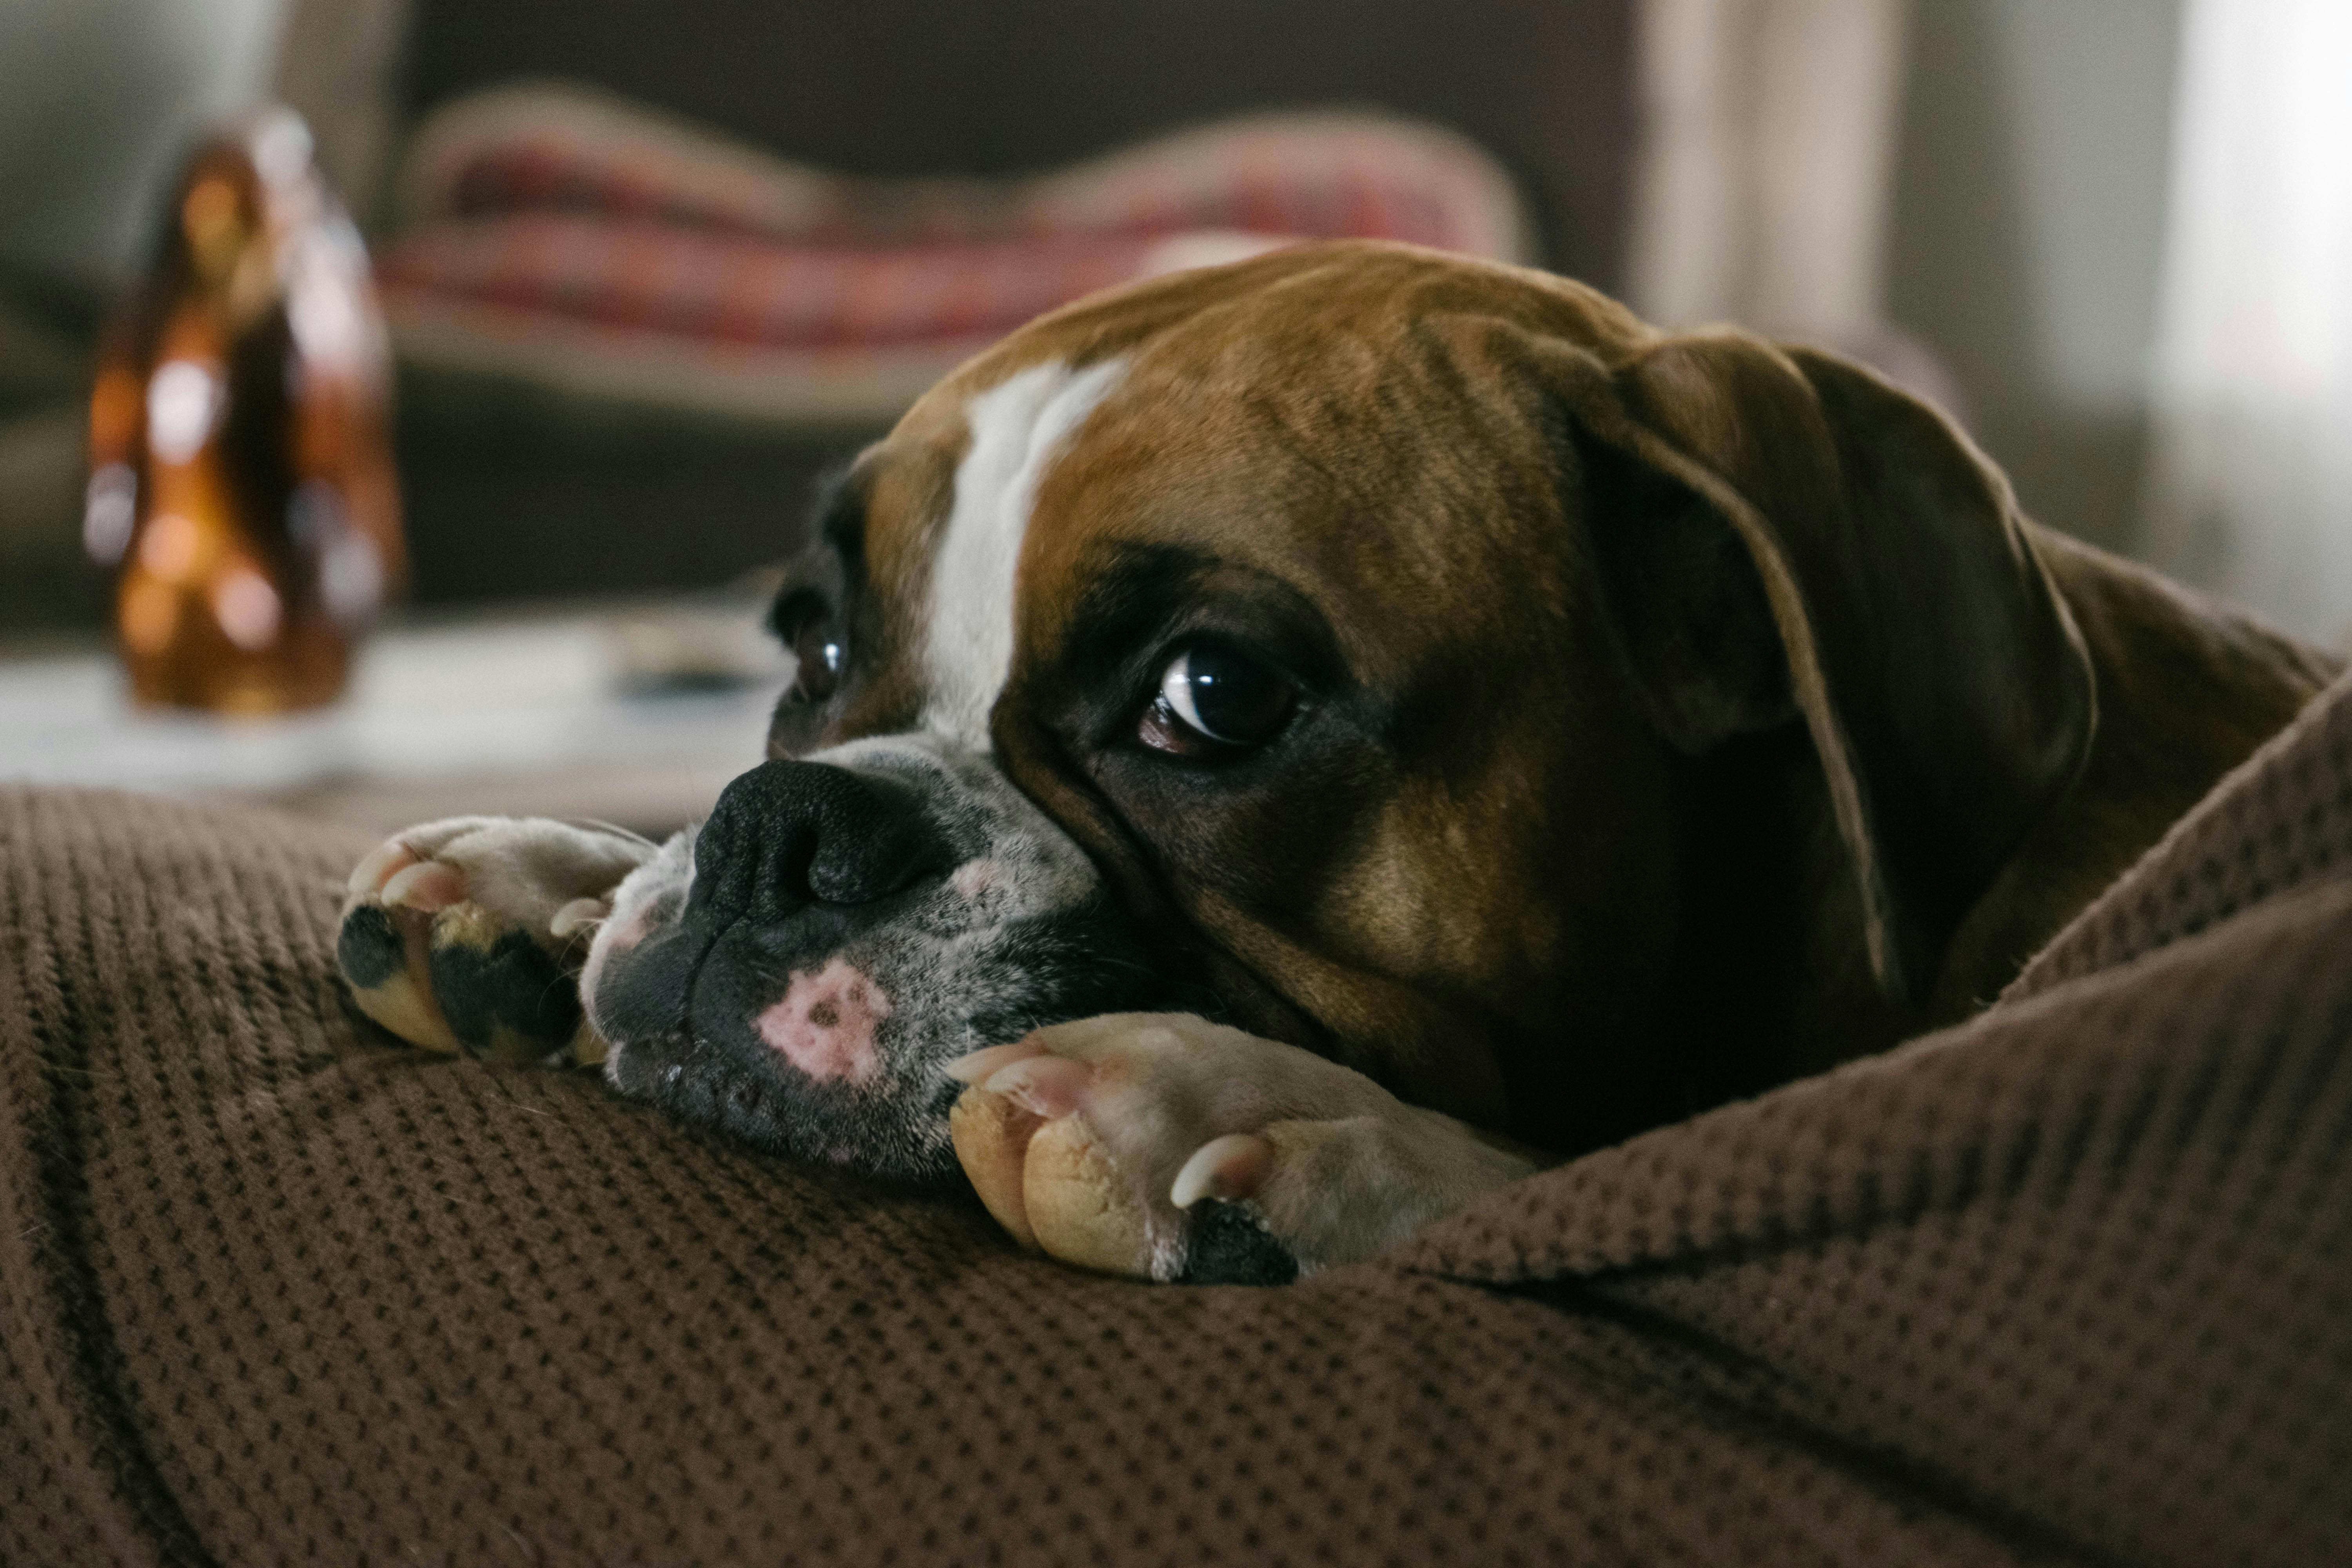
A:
[383,860]
[577,913]
[1050,1086]
[1234,1166]
[425,887]
[979,1066]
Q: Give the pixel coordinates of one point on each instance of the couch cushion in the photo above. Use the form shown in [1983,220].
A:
[579,242]
[2073,1281]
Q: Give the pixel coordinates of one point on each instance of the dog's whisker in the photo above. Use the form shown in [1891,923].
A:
[598,824]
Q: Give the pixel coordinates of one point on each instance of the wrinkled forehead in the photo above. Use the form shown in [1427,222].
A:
[947,504]
[990,513]
[1263,417]
[951,499]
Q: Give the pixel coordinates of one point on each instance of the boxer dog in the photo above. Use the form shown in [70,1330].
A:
[1281,750]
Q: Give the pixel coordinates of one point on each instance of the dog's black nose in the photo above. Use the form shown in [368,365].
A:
[788,835]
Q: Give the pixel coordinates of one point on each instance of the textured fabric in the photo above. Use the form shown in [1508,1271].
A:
[2282,820]
[2072,1281]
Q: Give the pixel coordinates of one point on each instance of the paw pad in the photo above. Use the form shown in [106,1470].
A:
[505,998]
[1229,1243]
[465,936]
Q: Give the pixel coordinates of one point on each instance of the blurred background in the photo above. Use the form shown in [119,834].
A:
[649,265]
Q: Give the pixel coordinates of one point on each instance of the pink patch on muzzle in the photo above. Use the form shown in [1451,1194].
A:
[825,1025]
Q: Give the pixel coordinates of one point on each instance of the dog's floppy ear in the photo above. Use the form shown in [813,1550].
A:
[1781,533]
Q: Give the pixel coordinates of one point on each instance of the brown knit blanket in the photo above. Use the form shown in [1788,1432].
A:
[2074,1280]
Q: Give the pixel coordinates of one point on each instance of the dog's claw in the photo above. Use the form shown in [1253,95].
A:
[1229,1168]
[579,913]
[425,887]
[386,859]
[1050,1086]
[979,1066]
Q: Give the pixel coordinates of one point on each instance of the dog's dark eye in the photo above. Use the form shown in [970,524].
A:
[1214,700]
[817,644]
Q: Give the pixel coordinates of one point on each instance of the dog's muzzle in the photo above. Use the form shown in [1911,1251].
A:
[802,970]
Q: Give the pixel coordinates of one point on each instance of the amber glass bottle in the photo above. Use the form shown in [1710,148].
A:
[240,467]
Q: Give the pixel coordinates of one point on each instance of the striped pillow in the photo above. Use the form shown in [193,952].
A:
[577,239]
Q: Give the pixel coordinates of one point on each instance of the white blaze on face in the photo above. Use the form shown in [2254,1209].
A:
[1017,428]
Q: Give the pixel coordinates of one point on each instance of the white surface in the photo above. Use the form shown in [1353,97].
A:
[2252,480]
[507,717]
[98,99]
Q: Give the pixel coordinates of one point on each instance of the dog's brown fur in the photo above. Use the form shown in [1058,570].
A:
[1708,713]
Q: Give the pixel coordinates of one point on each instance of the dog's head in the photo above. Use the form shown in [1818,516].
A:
[1327,641]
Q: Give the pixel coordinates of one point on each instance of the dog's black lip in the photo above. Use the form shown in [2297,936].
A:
[949,1181]
[720,1080]
[694,972]
[701,1061]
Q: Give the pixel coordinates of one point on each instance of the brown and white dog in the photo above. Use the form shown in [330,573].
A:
[1325,728]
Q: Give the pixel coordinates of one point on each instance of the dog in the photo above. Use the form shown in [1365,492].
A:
[1281,750]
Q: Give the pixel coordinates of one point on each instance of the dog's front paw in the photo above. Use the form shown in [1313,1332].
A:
[466,935]
[1166,1147]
